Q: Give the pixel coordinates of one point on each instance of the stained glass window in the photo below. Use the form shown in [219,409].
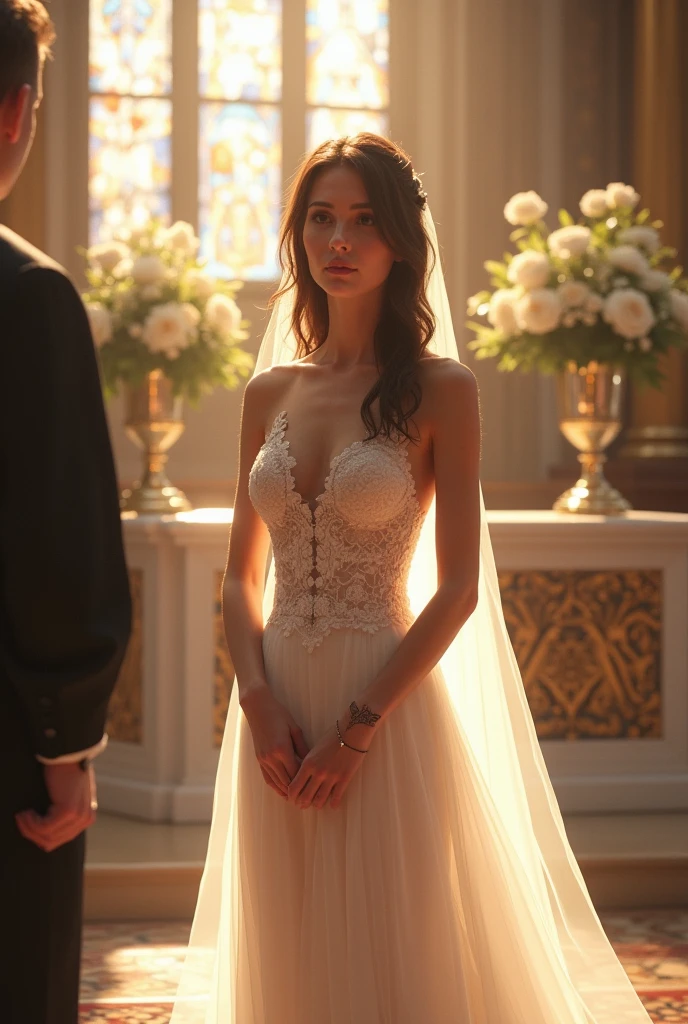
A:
[238,111]
[347,53]
[130,118]
[130,47]
[329,123]
[240,182]
[240,49]
[129,163]
[240,155]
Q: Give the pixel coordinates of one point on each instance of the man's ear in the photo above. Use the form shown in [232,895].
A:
[14,112]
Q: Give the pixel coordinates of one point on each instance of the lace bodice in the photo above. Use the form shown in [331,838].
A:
[344,564]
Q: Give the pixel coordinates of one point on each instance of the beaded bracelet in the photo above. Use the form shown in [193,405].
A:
[343,743]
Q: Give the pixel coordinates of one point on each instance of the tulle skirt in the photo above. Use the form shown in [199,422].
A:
[405,905]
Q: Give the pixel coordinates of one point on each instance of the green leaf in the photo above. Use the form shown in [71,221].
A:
[494,267]
[565,218]
[537,242]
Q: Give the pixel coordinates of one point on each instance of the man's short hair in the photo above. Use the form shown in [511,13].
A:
[26,35]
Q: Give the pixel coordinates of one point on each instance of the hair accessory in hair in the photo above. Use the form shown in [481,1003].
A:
[421,195]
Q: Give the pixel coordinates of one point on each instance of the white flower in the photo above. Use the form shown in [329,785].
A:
[223,313]
[166,329]
[192,315]
[569,242]
[594,303]
[573,294]
[629,312]
[569,319]
[122,269]
[678,303]
[137,236]
[655,281]
[538,311]
[202,285]
[644,237]
[501,312]
[589,319]
[594,203]
[182,237]
[151,292]
[620,196]
[107,255]
[525,208]
[530,269]
[474,303]
[148,270]
[101,322]
[628,258]
[645,344]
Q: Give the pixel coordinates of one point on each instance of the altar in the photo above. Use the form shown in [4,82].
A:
[597,611]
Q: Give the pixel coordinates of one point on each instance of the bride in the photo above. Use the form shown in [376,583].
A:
[386,846]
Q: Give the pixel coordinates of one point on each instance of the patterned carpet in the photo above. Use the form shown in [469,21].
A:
[130,971]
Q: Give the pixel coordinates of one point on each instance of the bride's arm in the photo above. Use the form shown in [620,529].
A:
[453,398]
[242,587]
[278,740]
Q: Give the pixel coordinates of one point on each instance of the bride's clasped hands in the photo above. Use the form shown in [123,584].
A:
[278,740]
[305,777]
[327,769]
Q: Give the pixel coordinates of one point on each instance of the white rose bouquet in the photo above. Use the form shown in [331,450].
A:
[152,307]
[597,290]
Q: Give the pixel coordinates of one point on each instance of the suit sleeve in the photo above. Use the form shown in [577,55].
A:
[65,607]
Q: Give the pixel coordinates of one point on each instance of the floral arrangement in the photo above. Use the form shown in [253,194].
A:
[597,290]
[152,307]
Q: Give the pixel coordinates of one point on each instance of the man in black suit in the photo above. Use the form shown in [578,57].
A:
[65,606]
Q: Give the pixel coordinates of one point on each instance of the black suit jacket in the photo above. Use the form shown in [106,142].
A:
[65,607]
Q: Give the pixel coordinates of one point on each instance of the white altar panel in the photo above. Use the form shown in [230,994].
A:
[168,774]
[616,774]
[168,712]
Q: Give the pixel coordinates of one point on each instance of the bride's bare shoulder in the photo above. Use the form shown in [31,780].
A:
[266,389]
[446,375]
[450,403]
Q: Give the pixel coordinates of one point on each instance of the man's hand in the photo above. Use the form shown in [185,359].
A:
[72,808]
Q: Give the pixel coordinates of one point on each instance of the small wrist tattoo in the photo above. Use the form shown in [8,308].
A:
[361,716]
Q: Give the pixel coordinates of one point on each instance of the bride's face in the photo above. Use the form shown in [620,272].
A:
[347,255]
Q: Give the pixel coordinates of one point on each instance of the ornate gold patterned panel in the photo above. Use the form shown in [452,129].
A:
[224,670]
[588,644]
[125,715]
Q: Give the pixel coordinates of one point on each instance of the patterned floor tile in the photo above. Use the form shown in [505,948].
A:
[130,971]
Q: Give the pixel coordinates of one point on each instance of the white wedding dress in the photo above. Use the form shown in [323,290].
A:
[443,890]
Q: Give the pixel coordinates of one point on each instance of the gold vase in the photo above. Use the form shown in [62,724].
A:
[153,422]
[590,404]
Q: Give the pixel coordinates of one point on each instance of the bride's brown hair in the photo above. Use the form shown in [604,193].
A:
[406,323]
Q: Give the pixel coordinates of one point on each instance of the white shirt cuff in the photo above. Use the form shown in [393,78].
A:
[77,755]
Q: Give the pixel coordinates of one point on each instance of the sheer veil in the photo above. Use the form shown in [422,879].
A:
[489,702]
